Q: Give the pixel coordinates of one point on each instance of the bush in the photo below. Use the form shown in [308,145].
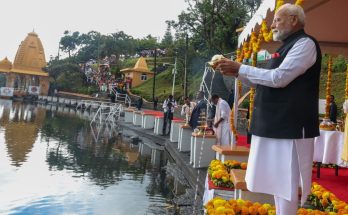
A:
[70,81]
[339,63]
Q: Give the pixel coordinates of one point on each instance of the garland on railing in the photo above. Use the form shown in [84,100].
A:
[328,88]
[346,90]
[252,91]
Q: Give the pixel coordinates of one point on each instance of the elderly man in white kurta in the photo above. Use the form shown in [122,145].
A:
[285,117]
[222,121]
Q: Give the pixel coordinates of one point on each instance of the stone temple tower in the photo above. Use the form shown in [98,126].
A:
[26,74]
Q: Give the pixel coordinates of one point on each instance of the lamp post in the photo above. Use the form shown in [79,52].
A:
[154,76]
[174,74]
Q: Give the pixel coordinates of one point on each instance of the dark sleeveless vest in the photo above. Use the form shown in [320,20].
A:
[283,113]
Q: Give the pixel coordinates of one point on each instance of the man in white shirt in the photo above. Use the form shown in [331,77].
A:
[222,121]
[187,108]
[169,106]
[285,117]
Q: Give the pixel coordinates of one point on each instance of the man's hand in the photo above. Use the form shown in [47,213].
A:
[216,125]
[228,67]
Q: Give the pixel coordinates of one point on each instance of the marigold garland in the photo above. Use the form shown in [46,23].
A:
[219,205]
[232,126]
[240,88]
[328,87]
[251,105]
[346,90]
[279,4]
[299,2]
[324,200]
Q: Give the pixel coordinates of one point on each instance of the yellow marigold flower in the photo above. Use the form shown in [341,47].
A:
[271,212]
[267,206]
[219,202]
[248,203]
[244,165]
[324,202]
[240,202]
[245,210]
[257,204]
[253,210]
[229,211]
[326,195]
[262,211]
[220,210]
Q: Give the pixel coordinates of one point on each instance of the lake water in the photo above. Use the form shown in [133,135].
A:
[53,162]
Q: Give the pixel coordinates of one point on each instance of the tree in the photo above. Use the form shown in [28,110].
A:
[69,42]
[168,40]
[213,23]
[149,42]
[63,71]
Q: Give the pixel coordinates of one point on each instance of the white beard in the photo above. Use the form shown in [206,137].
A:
[280,35]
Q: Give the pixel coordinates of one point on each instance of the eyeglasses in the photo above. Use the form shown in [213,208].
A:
[276,20]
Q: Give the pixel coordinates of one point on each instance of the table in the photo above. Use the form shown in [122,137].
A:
[174,130]
[184,141]
[201,153]
[158,125]
[328,149]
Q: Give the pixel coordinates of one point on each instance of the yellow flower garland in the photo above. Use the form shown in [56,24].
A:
[279,3]
[346,90]
[299,2]
[328,88]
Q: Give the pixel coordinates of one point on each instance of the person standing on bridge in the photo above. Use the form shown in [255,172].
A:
[169,106]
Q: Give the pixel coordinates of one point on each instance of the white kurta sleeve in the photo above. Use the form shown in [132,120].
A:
[345,106]
[183,110]
[224,111]
[300,57]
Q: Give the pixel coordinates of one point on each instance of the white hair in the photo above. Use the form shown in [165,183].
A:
[295,10]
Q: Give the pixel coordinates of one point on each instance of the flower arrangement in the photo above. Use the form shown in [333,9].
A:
[324,200]
[243,207]
[219,172]
[219,206]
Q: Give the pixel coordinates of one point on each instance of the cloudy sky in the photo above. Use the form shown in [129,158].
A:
[50,18]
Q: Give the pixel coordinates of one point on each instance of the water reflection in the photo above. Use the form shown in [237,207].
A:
[52,163]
